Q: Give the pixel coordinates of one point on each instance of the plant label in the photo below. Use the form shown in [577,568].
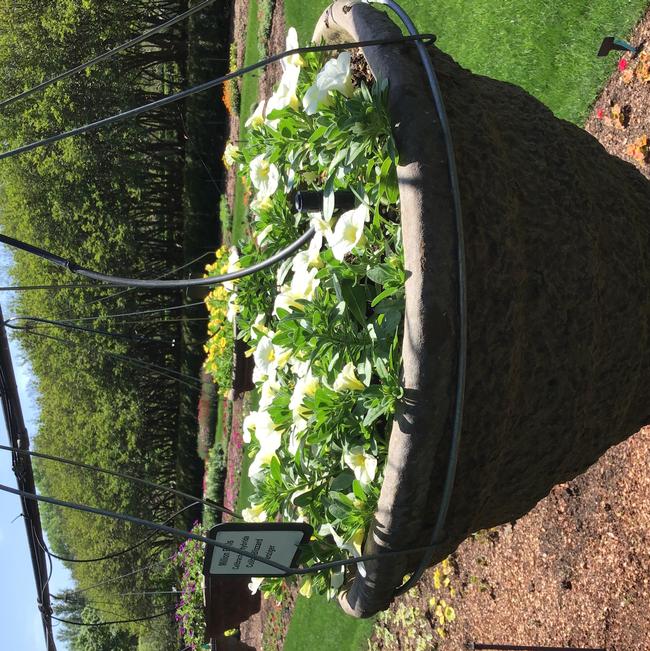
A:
[275,541]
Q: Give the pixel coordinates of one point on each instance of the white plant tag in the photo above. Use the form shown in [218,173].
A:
[274,541]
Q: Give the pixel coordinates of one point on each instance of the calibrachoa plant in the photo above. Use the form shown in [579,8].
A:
[325,327]
[190,616]
[221,309]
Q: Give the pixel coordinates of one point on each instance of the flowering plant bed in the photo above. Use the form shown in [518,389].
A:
[324,328]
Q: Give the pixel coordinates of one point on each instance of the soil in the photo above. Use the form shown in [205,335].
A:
[575,571]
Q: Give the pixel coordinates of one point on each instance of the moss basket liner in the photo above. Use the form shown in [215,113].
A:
[556,233]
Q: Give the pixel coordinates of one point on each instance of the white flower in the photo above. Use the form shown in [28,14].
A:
[306,387]
[266,433]
[284,300]
[233,307]
[282,356]
[255,584]
[348,232]
[362,463]
[299,367]
[304,284]
[292,44]
[285,95]
[249,426]
[264,356]
[233,265]
[256,513]
[336,75]
[347,380]
[262,458]
[264,176]
[353,546]
[268,391]
[258,326]
[260,204]
[230,154]
[257,117]
[315,97]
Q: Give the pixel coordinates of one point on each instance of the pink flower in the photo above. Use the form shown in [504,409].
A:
[599,114]
[622,64]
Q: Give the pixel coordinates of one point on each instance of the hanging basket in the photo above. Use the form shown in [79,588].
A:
[556,236]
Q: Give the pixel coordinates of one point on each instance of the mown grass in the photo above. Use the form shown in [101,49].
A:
[548,48]
[318,623]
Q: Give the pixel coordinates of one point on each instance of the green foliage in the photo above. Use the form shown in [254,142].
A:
[115,200]
[101,638]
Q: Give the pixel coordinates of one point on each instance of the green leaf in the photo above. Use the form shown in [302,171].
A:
[358,491]
[276,469]
[342,482]
[355,301]
[380,273]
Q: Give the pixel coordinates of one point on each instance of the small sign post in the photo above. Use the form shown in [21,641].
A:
[279,542]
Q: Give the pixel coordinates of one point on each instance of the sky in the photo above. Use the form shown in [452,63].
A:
[20,620]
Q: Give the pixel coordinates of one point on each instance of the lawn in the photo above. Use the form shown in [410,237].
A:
[549,48]
[322,620]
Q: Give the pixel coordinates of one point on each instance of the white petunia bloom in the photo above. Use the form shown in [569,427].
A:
[285,94]
[261,203]
[314,98]
[336,75]
[347,380]
[353,546]
[268,391]
[264,176]
[248,427]
[292,44]
[255,513]
[362,463]
[299,367]
[348,232]
[306,387]
[230,154]
[264,356]
[257,117]
[233,307]
[233,265]
[262,458]
[255,584]
[285,300]
[304,285]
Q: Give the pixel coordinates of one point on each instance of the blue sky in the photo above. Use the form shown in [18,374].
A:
[20,621]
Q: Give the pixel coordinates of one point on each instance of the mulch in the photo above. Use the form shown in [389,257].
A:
[621,116]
